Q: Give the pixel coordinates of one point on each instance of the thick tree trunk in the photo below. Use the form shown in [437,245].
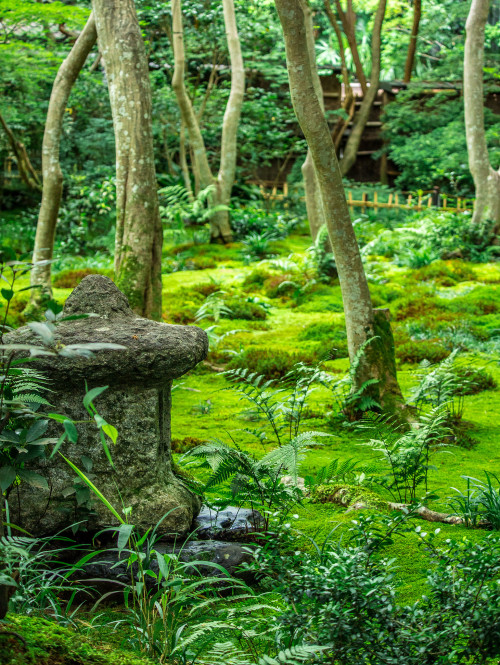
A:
[412,46]
[51,168]
[220,229]
[138,242]
[486,179]
[24,165]
[359,314]
[361,117]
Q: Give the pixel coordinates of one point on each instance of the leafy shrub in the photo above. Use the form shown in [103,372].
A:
[271,363]
[426,135]
[246,310]
[473,380]
[185,444]
[333,338]
[69,279]
[415,351]
[343,596]
[256,246]
[256,278]
[251,220]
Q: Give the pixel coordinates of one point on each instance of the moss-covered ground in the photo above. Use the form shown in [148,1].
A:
[434,308]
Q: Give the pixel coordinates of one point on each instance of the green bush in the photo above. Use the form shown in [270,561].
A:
[410,350]
[271,363]
[245,310]
[333,338]
[473,380]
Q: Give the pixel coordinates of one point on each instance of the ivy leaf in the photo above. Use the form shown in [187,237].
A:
[7,477]
[34,479]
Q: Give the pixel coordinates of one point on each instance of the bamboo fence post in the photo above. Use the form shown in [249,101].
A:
[419,204]
[363,199]
[389,203]
[429,202]
[375,201]
[445,199]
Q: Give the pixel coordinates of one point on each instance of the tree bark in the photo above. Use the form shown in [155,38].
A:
[231,121]
[486,179]
[412,46]
[348,20]
[51,167]
[349,103]
[220,229]
[361,117]
[24,165]
[359,313]
[138,242]
[314,204]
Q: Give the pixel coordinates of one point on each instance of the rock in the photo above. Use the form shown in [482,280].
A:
[227,524]
[137,403]
[289,481]
[230,556]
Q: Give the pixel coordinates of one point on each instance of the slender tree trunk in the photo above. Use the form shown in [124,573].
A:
[412,46]
[377,360]
[138,242]
[348,20]
[361,118]
[486,179]
[349,103]
[51,167]
[229,144]
[24,165]
[314,203]
[183,162]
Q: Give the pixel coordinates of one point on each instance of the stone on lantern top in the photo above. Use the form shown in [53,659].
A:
[153,354]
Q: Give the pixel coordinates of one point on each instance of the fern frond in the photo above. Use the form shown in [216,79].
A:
[296,655]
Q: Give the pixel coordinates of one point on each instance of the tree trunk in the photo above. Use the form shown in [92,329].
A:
[486,179]
[349,103]
[360,318]
[51,167]
[348,20]
[24,165]
[220,229]
[361,117]
[138,241]
[227,168]
[412,46]
[314,204]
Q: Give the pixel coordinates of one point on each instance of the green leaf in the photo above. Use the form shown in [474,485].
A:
[34,479]
[37,430]
[71,431]
[94,489]
[124,533]
[8,294]
[7,477]
[92,394]
[111,431]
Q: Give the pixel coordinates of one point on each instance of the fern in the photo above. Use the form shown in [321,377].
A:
[295,655]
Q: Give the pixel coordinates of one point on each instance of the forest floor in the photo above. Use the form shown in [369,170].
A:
[434,308]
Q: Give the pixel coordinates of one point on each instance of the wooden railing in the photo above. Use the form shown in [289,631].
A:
[401,201]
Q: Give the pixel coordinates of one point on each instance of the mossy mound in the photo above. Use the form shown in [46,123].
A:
[333,338]
[271,363]
[346,495]
[69,279]
[50,644]
[445,273]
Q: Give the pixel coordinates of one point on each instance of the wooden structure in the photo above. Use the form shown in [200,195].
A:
[403,202]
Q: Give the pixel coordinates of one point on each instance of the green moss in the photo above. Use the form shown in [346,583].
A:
[272,363]
[445,273]
[69,279]
[245,310]
[50,644]
[347,495]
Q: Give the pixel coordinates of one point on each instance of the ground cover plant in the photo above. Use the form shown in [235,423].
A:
[332,227]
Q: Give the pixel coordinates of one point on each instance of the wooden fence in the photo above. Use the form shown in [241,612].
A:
[401,201]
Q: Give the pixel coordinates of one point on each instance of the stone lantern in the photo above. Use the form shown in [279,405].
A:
[137,402]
